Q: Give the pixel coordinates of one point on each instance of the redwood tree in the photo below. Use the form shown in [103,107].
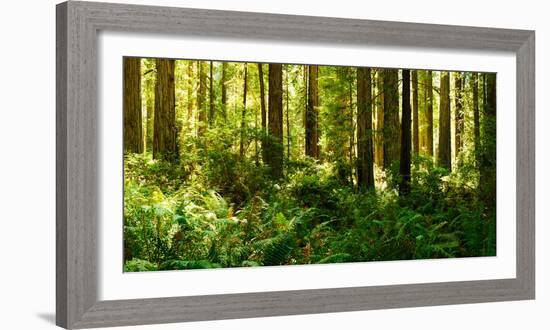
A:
[274,150]
[475,101]
[287,112]
[444,151]
[487,173]
[415,128]
[311,116]
[391,117]
[405,159]
[365,154]
[211,113]
[164,135]
[243,110]
[379,103]
[459,113]
[224,90]
[201,99]
[133,131]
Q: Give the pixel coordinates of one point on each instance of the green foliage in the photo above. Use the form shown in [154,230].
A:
[138,265]
[275,250]
[310,217]
[216,206]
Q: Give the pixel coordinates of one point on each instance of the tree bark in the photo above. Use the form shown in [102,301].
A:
[379,136]
[391,117]
[212,109]
[485,93]
[459,113]
[243,111]
[430,114]
[201,99]
[405,159]
[287,113]
[487,176]
[133,130]
[416,134]
[275,116]
[224,90]
[365,154]
[444,152]
[312,115]
[475,99]
[351,126]
[164,138]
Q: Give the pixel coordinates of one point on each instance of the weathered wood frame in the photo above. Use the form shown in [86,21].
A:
[77,152]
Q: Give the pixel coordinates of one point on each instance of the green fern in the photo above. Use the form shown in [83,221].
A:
[138,265]
[275,250]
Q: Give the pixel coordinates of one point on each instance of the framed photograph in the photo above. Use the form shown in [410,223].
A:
[217,165]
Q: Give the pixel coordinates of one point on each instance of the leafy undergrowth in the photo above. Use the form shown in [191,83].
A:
[232,216]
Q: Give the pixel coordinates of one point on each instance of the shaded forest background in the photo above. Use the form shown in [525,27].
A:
[246,164]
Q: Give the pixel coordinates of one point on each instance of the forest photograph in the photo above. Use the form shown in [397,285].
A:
[234,164]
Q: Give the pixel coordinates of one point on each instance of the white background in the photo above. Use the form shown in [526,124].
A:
[27,164]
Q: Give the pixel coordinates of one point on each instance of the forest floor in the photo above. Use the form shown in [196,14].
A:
[225,212]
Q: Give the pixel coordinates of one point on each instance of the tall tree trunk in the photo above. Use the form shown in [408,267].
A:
[405,160]
[487,176]
[444,152]
[484,84]
[379,136]
[275,116]
[459,113]
[243,112]
[305,81]
[311,134]
[351,126]
[224,90]
[365,154]
[256,158]
[211,114]
[133,130]
[430,114]
[165,133]
[475,99]
[201,99]
[416,134]
[391,117]
[306,89]
[287,112]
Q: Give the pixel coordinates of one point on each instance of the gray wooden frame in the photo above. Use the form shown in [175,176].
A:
[77,150]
